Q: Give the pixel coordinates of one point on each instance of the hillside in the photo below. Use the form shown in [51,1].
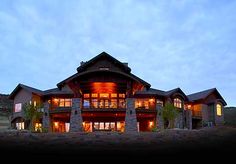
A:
[230,116]
[5,110]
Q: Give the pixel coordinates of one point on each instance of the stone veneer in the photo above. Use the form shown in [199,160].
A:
[159,119]
[46,117]
[130,117]
[188,115]
[76,122]
[179,123]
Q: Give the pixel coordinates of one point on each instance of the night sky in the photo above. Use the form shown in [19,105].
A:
[189,44]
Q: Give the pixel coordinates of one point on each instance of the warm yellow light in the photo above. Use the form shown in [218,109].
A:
[150,123]
[189,106]
[55,100]
[56,124]
[151,100]
[83,123]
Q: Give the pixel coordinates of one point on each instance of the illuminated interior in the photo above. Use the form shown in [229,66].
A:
[219,110]
[38,127]
[145,103]
[104,100]
[178,103]
[104,126]
[60,102]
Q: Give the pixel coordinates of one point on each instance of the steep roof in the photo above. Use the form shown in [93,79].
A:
[102,55]
[28,88]
[176,90]
[56,91]
[151,91]
[204,94]
[81,70]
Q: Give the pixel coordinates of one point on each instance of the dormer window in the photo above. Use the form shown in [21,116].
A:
[178,103]
[104,68]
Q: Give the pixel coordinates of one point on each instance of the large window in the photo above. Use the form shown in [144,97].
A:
[104,100]
[61,102]
[219,110]
[20,125]
[145,103]
[18,107]
[38,127]
[178,103]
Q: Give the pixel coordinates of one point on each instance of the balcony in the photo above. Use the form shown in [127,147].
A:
[197,114]
[60,110]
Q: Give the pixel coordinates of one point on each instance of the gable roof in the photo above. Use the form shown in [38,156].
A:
[151,91]
[101,55]
[129,75]
[176,90]
[29,89]
[56,91]
[204,94]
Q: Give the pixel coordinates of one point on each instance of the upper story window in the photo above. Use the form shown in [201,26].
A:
[61,102]
[145,103]
[159,102]
[178,103]
[18,107]
[219,109]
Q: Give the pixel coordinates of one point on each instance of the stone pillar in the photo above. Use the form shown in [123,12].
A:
[188,115]
[159,119]
[76,116]
[130,117]
[46,117]
[179,122]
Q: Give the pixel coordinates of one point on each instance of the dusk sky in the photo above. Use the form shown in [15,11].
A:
[189,44]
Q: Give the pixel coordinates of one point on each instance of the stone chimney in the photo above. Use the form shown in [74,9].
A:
[81,63]
[126,64]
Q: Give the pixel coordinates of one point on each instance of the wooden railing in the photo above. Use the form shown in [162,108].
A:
[196,113]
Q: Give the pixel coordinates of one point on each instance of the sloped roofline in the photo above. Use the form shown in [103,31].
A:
[91,61]
[28,88]
[94,71]
[204,94]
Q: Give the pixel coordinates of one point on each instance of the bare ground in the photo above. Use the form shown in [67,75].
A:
[220,140]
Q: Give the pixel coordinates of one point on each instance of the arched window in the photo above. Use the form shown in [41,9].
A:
[178,103]
[218,109]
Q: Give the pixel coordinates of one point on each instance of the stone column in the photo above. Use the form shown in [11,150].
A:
[188,115]
[179,123]
[159,119]
[76,116]
[46,117]
[130,117]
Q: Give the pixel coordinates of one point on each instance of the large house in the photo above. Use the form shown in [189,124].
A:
[103,95]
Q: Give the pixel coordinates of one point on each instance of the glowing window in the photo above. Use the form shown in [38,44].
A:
[68,103]
[38,127]
[121,95]
[94,103]
[219,110]
[86,104]
[94,95]
[35,103]
[18,107]
[61,102]
[177,103]
[113,103]
[20,125]
[104,95]
[113,95]
[86,95]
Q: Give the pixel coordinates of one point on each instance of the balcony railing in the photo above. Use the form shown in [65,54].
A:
[196,113]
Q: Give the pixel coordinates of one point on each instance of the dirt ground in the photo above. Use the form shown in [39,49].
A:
[166,143]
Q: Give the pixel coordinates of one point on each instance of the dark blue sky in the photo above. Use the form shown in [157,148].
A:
[177,43]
